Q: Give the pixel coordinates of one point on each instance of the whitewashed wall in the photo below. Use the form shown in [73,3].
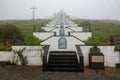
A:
[71,42]
[43,35]
[111,57]
[6,55]
[73,25]
[69,21]
[48,28]
[58,29]
[76,28]
[53,22]
[82,35]
[50,25]
[33,53]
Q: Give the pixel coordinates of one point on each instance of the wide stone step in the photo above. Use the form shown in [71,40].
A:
[62,58]
[62,61]
[63,65]
[63,69]
[62,53]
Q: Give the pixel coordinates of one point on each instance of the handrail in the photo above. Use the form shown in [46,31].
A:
[46,52]
[77,38]
[81,58]
[53,29]
[70,29]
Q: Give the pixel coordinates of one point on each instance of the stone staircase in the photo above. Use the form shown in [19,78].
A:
[62,61]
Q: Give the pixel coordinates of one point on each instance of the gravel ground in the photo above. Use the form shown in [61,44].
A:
[35,73]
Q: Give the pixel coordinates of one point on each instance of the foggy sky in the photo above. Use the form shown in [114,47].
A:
[87,9]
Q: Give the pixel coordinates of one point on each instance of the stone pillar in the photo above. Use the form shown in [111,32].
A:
[54,33]
[111,40]
[69,34]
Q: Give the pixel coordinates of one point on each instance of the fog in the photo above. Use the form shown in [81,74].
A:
[85,9]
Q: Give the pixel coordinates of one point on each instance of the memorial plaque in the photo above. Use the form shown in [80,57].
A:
[62,43]
[97,59]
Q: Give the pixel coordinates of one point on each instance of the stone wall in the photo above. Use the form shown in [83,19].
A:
[58,29]
[48,28]
[76,28]
[82,35]
[71,42]
[33,53]
[6,55]
[111,57]
[43,35]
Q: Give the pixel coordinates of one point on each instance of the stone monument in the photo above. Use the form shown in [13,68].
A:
[96,58]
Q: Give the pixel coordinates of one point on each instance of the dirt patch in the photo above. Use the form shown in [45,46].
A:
[35,73]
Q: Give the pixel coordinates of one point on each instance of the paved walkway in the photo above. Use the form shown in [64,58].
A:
[35,73]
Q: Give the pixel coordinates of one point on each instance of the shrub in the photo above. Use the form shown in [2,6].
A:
[41,30]
[117,47]
[32,40]
[85,23]
[5,47]
[93,40]
[10,33]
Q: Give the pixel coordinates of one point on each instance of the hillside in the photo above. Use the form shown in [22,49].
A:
[101,28]
[26,26]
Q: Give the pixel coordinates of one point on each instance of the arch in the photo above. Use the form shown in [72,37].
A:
[62,43]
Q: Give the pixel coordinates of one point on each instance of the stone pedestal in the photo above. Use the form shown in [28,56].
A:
[96,61]
[117,65]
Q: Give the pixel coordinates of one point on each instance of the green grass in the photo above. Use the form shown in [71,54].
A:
[26,26]
[102,28]
[6,47]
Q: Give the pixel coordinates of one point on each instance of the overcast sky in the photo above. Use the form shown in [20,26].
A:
[87,9]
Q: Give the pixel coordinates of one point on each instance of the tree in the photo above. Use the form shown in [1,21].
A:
[10,33]
[32,40]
